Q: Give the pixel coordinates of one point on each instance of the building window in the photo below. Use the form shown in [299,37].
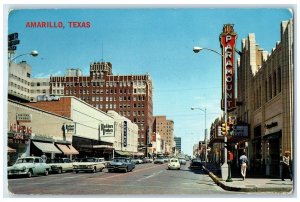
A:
[279,80]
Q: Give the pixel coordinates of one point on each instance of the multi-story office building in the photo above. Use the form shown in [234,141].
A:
[129,95]
[266,91]
[178,144]
[166,130]
[19,81]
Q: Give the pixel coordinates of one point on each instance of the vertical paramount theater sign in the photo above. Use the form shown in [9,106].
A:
[228,40]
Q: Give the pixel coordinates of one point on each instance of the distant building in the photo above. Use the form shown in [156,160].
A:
[166,130]
[178,144]
[39,87]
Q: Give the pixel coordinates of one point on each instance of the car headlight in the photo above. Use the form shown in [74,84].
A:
[90,166]
[24,168]
[74,166]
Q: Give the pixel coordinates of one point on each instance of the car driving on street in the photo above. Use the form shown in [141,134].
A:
[89,164]
[121,164]
[60,165]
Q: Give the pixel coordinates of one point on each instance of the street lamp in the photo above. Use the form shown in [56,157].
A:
[205,130]
[224,167]
[33,53]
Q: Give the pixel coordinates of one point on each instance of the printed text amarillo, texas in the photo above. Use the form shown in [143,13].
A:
[42,24]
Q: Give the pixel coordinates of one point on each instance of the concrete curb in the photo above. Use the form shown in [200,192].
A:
[220,183]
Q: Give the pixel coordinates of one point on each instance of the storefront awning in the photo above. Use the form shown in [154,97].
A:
[73,150]
[47,147]
[120,153]
[66,150]
[102,147]
[10,150]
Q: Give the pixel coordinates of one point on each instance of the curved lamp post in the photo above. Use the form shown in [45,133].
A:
[33,53]
[205,130]
[224,167]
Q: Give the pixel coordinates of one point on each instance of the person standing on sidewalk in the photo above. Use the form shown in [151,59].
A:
[243,163]
[44,157]
[285,166]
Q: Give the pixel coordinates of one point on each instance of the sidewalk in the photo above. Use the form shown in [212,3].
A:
[251,184]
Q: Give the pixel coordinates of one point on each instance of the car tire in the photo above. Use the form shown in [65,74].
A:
[76,171]
[59,171]
[46,172]
[109,171]
[29,174]
[94,170]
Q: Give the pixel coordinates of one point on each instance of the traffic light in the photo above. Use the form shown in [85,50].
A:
[224,129]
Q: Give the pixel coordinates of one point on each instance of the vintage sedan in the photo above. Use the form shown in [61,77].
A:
[121,164]
[174,164]
[29,166]
[159,160]
[196,164]
[60,165]
[89,164]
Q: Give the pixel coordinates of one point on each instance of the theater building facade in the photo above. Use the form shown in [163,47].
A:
[266,92]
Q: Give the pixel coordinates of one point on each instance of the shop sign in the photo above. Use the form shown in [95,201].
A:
[70,128]
[107,129]
[24,117]
[240,131]
[228,40]
[16,128]
[125,134]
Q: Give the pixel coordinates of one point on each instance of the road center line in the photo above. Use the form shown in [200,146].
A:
[150,176]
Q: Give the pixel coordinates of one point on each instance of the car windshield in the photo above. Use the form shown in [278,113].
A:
[118,160]
[88,160]
[174,160]
[55,161]
[25,160]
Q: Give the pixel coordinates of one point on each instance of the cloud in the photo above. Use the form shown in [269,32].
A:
[47,75]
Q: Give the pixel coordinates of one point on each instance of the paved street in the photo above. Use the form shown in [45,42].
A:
[146,179]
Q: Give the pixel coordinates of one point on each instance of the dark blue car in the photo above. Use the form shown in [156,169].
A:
[121,164]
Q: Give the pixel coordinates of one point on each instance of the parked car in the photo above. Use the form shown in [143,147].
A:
[121,164]
[60,165]
[89,164]
[147,160]
[166,159]
[196,164]
[137,161]
[159,160]
[182,161]
[29,166]
[173,164]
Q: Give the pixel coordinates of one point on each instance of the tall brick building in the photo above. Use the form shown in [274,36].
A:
[166,130]
[129,95]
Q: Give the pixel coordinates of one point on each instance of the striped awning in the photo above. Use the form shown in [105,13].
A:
[120,153]
[67,149]
[47,147]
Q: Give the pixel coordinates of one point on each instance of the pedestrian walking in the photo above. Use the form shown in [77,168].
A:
[243,164]
[44,157]
[286,166]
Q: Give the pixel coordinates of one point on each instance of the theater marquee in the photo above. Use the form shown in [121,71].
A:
[228,40]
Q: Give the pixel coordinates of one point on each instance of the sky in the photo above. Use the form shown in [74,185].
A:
[157,41]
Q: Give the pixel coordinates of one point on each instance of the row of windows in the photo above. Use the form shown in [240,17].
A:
[272,88]
[102,84]
[19,94]
[19,79]
[38,91]
[57,92]
[40,84]
[20,87]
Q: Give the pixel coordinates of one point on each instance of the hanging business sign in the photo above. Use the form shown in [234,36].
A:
[24,117]
[125,130]
[228,40]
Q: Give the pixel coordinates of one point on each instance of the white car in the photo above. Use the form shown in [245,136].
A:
[137,161]
[89,164]
[29,166]
[60,165]
[174,164]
